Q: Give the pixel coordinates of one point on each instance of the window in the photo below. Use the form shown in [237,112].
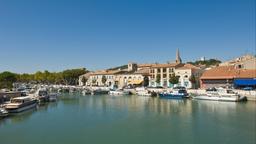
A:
[158,70]
[164,75]
[185,76]
[164,70]
[170,70]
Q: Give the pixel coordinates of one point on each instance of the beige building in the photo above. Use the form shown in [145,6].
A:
[186,72]
[244,62]
[163,71]
[134,74]
[120,78]
[96,78]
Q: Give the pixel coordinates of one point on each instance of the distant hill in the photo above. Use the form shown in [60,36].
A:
[207,63]
[119,67]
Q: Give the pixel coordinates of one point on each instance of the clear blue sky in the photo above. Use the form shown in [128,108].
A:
[60,34]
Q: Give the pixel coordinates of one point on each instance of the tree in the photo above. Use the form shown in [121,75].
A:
[7,79]
[158,78]
[192,79]
[103,79]
[38,76]
[71,76]
[84,80]
[94,81]
[174,79]
[210,62]
[145,81]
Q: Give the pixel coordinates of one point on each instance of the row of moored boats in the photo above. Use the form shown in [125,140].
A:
[27,102]
[214,94]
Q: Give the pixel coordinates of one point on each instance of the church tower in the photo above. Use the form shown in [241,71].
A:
[178,59]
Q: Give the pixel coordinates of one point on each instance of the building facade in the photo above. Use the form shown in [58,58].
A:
[116,78]
[134,74]
[186,73]
[161,73]
[224,76]
[243,62]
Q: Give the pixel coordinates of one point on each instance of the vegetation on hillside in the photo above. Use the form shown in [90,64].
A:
[119,67]
[210,62]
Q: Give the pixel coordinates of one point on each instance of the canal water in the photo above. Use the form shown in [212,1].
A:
[132,120]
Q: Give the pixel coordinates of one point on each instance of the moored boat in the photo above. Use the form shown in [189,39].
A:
[3,112]
[20,104]
[175,94]
[53,97]
[221,95]
[118,92]
[42,95]
[143,93]
[99,92]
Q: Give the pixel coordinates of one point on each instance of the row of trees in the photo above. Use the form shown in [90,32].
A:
[67,77]
[210,62]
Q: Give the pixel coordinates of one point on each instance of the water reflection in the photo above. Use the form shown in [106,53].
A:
[18,117]
[133,104]
[86,119]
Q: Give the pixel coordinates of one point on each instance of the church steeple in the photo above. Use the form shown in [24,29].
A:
[178,59]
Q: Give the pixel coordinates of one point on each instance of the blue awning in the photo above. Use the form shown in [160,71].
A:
[245,82]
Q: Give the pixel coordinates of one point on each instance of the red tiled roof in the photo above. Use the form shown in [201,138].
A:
[145,65]
[166,65]
[228,72]
[106,72]
[144,71]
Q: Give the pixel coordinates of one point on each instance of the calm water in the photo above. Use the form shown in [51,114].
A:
[132,120]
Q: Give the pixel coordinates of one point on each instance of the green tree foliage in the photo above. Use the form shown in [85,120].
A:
[119,67]
[174,79]
[158,78]
[69,77]
[192,79]
[145,81]
[210,62]
[103,79]
[7,79]
[94,81]
[84,80]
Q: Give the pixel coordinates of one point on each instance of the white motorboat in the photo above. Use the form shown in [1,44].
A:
[143,93]
[118,92]
[3,112]
[53,97]
[221,95]
[20,104]
[42,95]
[86,92]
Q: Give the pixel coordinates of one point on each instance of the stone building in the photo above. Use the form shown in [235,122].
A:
[243,62]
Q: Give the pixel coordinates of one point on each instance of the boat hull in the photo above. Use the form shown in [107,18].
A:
[115,93]
[22,108]
[3,113]
[171,96]
[219,98]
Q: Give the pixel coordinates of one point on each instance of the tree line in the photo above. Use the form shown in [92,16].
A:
[210,62]
[66,77]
